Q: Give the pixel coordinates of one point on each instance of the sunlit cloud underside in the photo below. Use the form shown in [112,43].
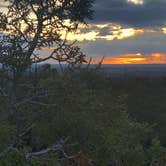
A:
[93,32]
[108,32]
[135,58]
[136,2]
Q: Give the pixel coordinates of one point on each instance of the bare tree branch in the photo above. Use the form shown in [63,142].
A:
[60,146]
[3,93]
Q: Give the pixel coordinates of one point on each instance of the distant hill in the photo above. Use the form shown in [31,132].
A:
[135,70]
[140,70]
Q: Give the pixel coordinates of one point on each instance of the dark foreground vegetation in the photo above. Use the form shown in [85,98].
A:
[78,117]
[84,118]
[146,100]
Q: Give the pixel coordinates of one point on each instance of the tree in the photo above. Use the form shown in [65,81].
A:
[36,24]
[37,110]
[86,108]
[27,28]
[33,25]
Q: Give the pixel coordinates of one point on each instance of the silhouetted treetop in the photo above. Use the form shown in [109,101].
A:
[36,24]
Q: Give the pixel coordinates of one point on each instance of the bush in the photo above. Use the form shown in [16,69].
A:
[82,105]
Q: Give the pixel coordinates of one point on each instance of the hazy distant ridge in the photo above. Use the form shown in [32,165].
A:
[147,70]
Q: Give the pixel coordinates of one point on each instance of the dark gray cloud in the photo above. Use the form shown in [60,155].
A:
[150,14]
[104,31]
[146,44]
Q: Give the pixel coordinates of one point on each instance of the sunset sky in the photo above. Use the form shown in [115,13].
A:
[125,32]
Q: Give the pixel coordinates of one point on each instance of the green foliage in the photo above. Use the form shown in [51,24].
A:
[13,158]
[83,105]
[87,109]
[46,160]
[7,135]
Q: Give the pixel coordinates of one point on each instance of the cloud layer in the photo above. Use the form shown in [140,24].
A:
[151,13]
[146,43]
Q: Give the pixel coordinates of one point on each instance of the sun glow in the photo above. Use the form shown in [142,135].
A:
[136,2]
[136,58]
[164,30]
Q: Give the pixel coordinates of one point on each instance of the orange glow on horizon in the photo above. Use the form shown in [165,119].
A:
[135,58]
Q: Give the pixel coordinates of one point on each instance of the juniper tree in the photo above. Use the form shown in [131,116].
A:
[33,25]
[28,27]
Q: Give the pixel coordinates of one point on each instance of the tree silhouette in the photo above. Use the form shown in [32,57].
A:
[32,25]
[28,27]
